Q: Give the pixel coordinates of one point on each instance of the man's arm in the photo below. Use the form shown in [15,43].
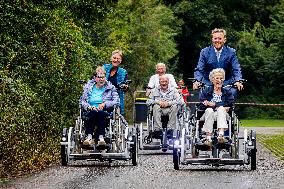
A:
[236,70]
[150,85]
[199,70]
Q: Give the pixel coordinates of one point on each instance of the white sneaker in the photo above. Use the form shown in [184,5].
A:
[101,141]
[88,141]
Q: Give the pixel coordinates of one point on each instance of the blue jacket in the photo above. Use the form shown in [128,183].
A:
[208,61]
[207,94]
[110,96]
[121,77]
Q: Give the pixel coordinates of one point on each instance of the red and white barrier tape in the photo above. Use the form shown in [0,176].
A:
[247,103]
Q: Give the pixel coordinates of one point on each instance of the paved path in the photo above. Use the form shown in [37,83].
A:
[267,130]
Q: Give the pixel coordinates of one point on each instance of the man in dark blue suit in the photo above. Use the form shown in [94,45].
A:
[218,55]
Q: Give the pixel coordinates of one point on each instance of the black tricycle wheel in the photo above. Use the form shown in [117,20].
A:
[134,151]
[63,154]
[176,158]
[253,151]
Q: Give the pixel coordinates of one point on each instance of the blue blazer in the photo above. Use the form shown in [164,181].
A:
[208,61]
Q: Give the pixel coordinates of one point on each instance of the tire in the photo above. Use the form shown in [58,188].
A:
[253,151]
[253,159]
[176,159]
[134,151]
[63,153]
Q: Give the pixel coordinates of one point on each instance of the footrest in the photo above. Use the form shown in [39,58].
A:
[225,145]
[202,147]
[151,147]
[103,147]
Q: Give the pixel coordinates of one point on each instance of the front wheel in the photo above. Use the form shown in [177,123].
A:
[253,151]
[176,159]
[64,159]
[134,151]
[253,159]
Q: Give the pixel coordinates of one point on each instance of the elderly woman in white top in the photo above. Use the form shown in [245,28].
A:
[216,101]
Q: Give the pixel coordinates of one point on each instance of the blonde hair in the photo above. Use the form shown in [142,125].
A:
[160,64]
[214,71]
[117,52]
[99,69]
[219,30]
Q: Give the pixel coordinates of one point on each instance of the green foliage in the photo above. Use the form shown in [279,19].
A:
[144,30]
[42,57]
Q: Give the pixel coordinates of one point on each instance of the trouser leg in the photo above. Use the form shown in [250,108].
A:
[157,116]
[101,123]
[172,112]
[90,123]
[208,118]
[222,116]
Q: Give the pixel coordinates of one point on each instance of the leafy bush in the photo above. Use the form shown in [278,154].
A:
[43,56]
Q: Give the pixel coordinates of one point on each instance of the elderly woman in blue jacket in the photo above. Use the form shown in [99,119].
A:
[216,101]
[117,76]
[98,96]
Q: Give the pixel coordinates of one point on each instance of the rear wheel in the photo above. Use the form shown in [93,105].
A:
[176,159]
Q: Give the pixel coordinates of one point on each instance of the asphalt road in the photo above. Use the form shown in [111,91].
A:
[155,170]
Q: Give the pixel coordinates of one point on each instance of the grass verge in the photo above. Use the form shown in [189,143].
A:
[262,123]
[274,143]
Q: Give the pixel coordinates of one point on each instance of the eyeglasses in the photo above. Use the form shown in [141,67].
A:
[219,78]
[100,76]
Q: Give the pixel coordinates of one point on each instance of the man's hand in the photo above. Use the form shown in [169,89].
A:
[196,85]
[163,104]
[239,85]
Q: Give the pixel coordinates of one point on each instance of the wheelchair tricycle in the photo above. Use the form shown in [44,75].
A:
[148,137]
[121,141]
[239,149]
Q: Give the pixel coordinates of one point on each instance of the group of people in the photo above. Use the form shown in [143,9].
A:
[102,92]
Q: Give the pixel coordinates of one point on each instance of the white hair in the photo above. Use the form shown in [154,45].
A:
[214,71]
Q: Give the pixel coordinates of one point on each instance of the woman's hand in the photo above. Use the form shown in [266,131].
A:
[101,106]
[208,103]
[91,108]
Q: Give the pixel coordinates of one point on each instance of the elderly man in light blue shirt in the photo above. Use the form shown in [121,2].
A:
[165,100]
